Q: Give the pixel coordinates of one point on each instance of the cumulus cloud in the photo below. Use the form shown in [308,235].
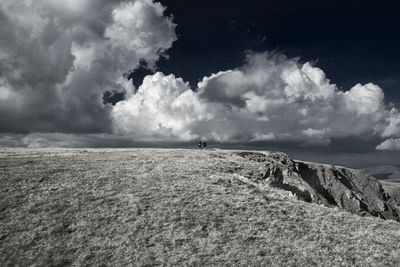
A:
[164,107]
[393,128]
[390,144]
[57,58]
[271,97]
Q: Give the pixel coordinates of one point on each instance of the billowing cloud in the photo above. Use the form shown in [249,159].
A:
[164,107]
[270,98]
[390,144]
[393,129]
[57,58]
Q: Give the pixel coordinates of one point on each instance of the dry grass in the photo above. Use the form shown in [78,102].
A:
[170,207]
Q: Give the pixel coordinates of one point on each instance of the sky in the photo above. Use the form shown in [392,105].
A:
[301,74]
[352,41]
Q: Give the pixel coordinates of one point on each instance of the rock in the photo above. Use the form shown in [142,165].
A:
[352,190]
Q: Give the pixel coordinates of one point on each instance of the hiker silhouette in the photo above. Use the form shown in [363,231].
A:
[204,144]
[199,144]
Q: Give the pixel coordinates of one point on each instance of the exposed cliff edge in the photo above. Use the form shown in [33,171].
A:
[349,189]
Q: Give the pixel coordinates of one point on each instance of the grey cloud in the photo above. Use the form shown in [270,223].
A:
[390,144]
[57,58]
[223,91]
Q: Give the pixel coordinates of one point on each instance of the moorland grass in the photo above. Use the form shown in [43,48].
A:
[136,207]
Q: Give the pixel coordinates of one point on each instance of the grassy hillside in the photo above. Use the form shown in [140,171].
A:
[170,207]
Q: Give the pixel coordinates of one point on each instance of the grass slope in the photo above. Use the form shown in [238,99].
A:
[170,207]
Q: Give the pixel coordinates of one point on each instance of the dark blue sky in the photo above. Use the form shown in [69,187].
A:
[352,41]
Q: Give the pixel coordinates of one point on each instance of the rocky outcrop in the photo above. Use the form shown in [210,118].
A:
[352,190]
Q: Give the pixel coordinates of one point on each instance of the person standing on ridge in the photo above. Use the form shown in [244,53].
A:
[199,144]
[204,145]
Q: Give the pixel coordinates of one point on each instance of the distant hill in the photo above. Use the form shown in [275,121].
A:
[171,207]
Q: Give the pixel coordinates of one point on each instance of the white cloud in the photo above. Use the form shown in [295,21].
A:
[390,144]
[365,99]
[164,107]
[140,31]
[270,98]
[59,57]
[393,128]
[307,82]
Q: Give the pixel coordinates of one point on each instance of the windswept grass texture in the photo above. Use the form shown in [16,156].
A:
[146,207]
